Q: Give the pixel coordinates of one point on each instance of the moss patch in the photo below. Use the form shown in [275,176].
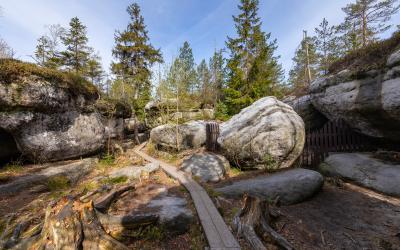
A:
[58,183]
[15,71]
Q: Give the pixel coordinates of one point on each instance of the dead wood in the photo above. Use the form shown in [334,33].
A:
[121,226]
[103,203]
[95,237]
[72,225]
[254,218]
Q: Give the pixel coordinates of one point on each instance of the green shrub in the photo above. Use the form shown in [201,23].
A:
[115,180]
[57,183]
[270,163]
[221,111]
[373,56]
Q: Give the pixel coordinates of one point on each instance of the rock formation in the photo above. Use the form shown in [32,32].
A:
[289,187]
[369,102]
[160,112]
[51,115]
[364,170]
[312,118]
[267,134]
[185,136]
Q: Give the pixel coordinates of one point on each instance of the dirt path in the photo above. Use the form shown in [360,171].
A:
[217,233]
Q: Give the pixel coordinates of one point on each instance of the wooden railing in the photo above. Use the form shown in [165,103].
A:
[334,136]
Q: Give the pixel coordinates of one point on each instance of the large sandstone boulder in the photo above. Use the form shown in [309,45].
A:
[266,134]
[289,187]
[206,166]
[364,170]
[53,116]
[50,137]
[312,118]
[190,135]
[367,102]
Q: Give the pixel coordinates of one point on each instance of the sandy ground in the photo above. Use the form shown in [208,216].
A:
[336,218]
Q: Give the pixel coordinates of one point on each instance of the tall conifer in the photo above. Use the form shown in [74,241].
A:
[253,70]
[135,56]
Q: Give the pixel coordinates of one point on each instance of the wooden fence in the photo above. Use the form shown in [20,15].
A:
[334,136]
[212,133]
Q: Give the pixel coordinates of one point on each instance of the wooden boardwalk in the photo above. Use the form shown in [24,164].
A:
[218,235]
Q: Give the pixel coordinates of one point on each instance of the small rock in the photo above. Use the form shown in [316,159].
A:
[151,167]
[289,187]
[132,172]
[206,166]
[173,212]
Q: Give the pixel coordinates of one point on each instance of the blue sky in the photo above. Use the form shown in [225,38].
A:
[204,23]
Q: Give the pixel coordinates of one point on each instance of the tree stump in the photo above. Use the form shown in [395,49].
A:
[254,218]
[71,224]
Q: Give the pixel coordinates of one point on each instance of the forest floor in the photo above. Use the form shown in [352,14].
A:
[30,205]
[336,218]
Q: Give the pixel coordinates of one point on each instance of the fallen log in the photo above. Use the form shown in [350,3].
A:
[103,203]
[253,217]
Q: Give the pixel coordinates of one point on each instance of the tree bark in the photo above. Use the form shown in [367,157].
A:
[253,217]
[72,224]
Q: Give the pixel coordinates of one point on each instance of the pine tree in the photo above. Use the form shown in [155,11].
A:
[77,52]
[252,68]
[47,50]
[43,52]
[370,17]
[134,58]
[217,71]
[187,68]
[298,75]
[204,84]
[326,45]
[94,70]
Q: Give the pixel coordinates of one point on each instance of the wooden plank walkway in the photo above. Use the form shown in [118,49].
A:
[218,235]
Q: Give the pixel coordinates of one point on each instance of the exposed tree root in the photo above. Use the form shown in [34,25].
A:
[72,224]
[253,218]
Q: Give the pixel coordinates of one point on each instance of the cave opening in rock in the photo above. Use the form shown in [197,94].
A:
[8,148]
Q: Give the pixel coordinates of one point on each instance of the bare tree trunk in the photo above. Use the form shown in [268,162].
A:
[136,131]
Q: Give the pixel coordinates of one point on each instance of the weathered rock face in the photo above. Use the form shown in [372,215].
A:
[208,167]
[114,127]
[49,137]
[189,135]
[267,132]
[73,171]
[312,118]
[364,170]
[291,186]
[52,121]
[369,103]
